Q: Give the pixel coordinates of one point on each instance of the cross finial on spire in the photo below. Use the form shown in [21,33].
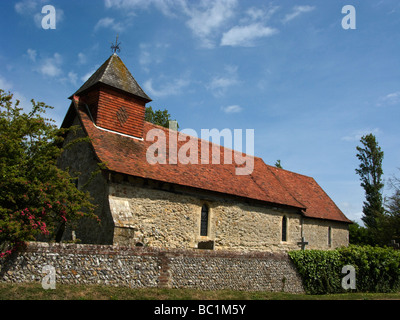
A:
[115,47]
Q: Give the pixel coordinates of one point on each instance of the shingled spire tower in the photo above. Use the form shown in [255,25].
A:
[114,98]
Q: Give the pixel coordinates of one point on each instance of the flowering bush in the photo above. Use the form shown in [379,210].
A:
[36,197]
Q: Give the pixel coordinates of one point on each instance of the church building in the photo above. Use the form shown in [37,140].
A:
[182,204]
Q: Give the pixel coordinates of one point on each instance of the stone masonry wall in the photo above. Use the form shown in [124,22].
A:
[80,160]
[165,218]
[151,267]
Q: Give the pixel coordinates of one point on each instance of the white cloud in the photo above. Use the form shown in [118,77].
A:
[297,11]
[82,59]
[27,6]
[109,23]
[219,84]
[246,35]
[358,134]
[206,20]
[73,78]
[167,7]
[33,9]
[32,54]
[232,109]
[151,54]
[168,89]
[390,99]
[50,67]
[254,14]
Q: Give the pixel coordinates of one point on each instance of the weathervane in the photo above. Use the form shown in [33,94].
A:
[115,47]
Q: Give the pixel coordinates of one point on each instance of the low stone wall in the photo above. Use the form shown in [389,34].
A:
[145,267]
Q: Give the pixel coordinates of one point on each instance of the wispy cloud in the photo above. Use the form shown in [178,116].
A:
[28,7]
[220,83]
[206,20]
[33,9]
[358,134]
[31,54]
[390,99]
[232,109]
[169,88]
[296,12]
[167,7]
[109,23]
[151,54]
[252,26]
[246,35]
[51,66]
[82,59]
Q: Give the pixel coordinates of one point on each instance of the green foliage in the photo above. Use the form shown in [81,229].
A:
[393,209]
[359,235]
[370,172]
[377,269]
[278,164]
[36,197]
[158,117]
[320,270]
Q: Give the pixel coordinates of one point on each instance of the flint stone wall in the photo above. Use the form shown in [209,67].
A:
[153,267]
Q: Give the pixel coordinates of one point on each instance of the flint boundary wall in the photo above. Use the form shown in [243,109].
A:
[145,267]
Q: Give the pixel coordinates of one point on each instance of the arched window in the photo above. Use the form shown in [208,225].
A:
[284,228]
[204,221]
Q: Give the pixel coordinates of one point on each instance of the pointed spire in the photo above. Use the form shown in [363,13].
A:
[114,73]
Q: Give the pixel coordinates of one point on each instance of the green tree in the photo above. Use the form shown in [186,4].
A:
[36,197]
[158,117]
[370,172]
[393,209]
[359,235]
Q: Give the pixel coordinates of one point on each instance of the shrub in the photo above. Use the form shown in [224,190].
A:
[377,269]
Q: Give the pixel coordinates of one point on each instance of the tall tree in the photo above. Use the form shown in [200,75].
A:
[36,197]
[370,172]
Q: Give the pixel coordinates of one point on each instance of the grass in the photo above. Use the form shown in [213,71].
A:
[34,291]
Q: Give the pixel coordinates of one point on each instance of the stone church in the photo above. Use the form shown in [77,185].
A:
[182,205]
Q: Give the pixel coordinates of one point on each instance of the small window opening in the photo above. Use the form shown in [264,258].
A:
[284,228]
[329,236]
[204,221]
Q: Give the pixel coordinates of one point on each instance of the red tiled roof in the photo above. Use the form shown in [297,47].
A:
[126,155]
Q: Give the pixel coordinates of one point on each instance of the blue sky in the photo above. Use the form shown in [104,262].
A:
[287,69]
